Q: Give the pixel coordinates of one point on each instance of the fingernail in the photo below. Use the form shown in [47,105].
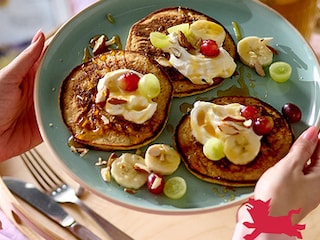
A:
[36,36]
[311,134]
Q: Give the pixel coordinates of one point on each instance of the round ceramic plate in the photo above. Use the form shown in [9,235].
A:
[66,51]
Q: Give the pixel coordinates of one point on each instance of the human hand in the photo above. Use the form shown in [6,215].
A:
[18,126]
[293,183]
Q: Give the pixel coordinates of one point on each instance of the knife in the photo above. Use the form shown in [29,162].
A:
[45,204]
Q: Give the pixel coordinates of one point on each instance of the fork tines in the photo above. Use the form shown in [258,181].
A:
[41,171]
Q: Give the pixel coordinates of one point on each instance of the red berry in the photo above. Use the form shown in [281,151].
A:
[291,112]
[249,112]
[155,183]
[263,125]
[209,48]
[129,81]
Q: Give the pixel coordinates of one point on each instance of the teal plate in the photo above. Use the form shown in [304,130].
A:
[66,51]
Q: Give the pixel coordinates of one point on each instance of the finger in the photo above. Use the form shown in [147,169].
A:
[303,148]
[314,164]
[20,66]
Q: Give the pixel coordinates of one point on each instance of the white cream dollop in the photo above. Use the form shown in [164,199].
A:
[136,108]
[225,122]
[197,67]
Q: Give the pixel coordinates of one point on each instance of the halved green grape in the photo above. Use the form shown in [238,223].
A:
[159,40]
[213,149]
[280,71]
[183,27]
[175,187]
[149,86]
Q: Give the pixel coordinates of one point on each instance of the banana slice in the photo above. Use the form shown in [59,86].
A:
[203,29]
[162,159]
[242,148]
[253,51]
[125,172]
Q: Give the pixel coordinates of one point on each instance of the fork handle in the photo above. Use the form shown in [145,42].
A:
[108,227]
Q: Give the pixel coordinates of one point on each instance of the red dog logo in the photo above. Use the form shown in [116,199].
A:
[263,223]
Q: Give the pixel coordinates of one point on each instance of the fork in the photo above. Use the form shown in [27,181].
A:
[61,192]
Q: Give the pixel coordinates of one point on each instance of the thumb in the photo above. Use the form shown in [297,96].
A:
[303,148]
[21,65]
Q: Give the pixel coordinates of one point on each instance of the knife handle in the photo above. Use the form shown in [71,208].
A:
[81,232]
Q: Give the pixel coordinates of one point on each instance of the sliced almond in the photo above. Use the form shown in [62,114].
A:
[183,41]
[154,152]
[175,52]
[248,123]
[259,69]
[99,45]
[228,129]
[117,101]
[105,174]
[113,156]
[141,168]
[131,191]
[233,119]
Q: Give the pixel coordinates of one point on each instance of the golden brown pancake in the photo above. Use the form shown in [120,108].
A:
[274,146]
[160,21]
[90,124]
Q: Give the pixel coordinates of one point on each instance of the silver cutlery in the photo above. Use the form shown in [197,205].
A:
[61,192]
[45,204]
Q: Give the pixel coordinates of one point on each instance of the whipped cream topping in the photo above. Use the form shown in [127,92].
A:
[197,67]
[241,143]
[133,107]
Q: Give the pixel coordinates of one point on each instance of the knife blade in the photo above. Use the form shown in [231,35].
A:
[45,204]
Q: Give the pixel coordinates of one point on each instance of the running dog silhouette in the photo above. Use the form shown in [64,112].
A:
[263,223]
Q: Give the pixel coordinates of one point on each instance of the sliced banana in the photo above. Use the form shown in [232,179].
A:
[242,148]
[254,51]
[203,29]
[125,173]
[162,159]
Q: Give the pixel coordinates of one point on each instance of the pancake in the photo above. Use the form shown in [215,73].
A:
[274,146]
[160,21]
[94,127]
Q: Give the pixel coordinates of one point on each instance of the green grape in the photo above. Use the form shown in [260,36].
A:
[159,40]
[184,27]
[213,149]
[280,71]
[149,86]
[175,187]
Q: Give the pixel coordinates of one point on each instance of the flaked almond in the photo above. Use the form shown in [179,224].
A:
[233,119]
[248,123]
[141,168]
[183,41]
[99,45]
[163,61]
[228,129]
[154,152]
[259,69]
[113,156]
[101,162]
[117,101]
[131,191]
[106,174]
[175,52]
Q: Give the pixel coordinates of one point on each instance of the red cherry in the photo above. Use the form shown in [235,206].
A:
[249,112]
[209,48]
[263,125]
[155,183]
[291,112]
[129,81]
